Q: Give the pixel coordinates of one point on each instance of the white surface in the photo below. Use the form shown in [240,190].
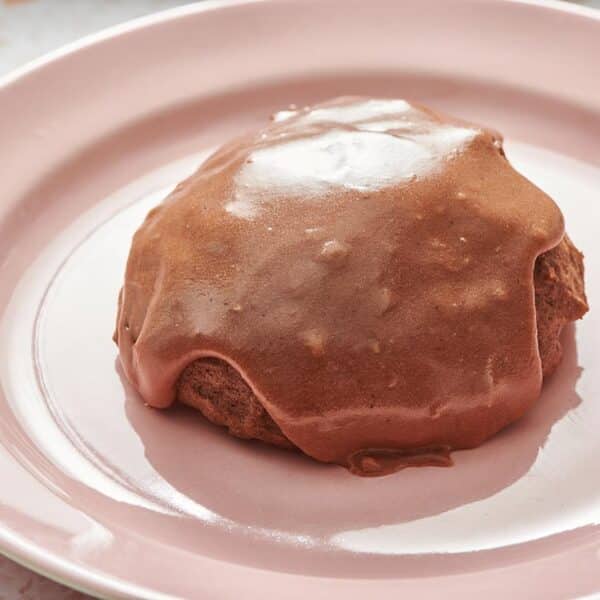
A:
[29,28]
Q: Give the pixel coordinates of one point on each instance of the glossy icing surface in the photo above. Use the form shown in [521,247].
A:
[366,265]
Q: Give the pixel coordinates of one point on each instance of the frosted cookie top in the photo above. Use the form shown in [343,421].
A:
[365,264]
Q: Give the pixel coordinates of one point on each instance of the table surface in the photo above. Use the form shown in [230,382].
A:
[28,29]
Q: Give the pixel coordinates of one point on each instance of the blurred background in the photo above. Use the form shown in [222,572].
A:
[30,28]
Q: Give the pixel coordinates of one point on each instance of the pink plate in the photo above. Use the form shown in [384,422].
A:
[115,498]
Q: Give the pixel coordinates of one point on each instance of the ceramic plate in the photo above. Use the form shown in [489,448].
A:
[99,491]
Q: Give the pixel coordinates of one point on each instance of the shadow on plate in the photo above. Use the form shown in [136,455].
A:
[254,484]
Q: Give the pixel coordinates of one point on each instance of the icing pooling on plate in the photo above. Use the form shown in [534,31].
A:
[366,265]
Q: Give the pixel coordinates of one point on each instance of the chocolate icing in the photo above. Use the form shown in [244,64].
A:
[366,265]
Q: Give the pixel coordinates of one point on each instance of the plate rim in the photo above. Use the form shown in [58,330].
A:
[200,6]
